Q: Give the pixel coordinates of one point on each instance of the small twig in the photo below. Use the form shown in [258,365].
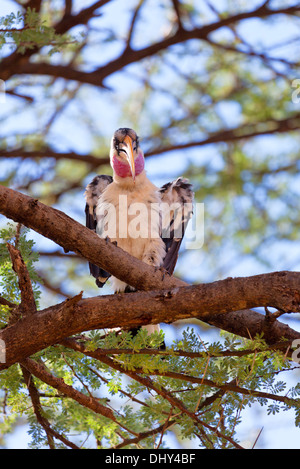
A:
[76,375]
[259,433]
[37,407]
[176,6]
[132,25]
[16,30]
[146,434]
[164,428]
[271,317]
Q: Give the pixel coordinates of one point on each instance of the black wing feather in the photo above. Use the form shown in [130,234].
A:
[181,195]
[93,191]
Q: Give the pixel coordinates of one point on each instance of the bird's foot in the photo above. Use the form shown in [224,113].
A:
[163,271]
[108,240]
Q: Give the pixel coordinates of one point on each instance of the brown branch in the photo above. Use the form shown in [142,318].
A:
[73,236]
[33,4]
[252,53]
[141,436]
[59,253]
[37,407]
[268,127]
[134,309]
[68,7]
[158,389]
[5,302]
[176,6]
[68,21]
[10,66]
[132,24]
[181,353]
[224,387]
[28,305]
[211,399]
[39,370]
[246,131]
[93,161]
[29,99]
[177,353]
[205,302]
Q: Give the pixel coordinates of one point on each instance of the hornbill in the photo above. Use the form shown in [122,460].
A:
[112,204]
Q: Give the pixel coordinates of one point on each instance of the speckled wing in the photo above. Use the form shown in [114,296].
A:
[92,193]
[177,209]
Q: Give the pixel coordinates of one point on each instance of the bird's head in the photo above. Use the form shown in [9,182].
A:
[126,156]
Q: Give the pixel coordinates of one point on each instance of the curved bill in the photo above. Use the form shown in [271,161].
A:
[129,152]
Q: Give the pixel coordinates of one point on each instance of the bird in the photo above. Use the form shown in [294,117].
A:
[127,209]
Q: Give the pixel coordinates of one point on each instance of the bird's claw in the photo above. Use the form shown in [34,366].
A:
[163,271]
[108,240]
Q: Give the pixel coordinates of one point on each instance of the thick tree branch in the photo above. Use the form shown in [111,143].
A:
[73,236]
[167,303]
[203,302]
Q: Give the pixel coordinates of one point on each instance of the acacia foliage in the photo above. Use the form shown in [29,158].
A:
[25,31]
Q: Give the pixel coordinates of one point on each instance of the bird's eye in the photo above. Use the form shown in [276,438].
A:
[117,147]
